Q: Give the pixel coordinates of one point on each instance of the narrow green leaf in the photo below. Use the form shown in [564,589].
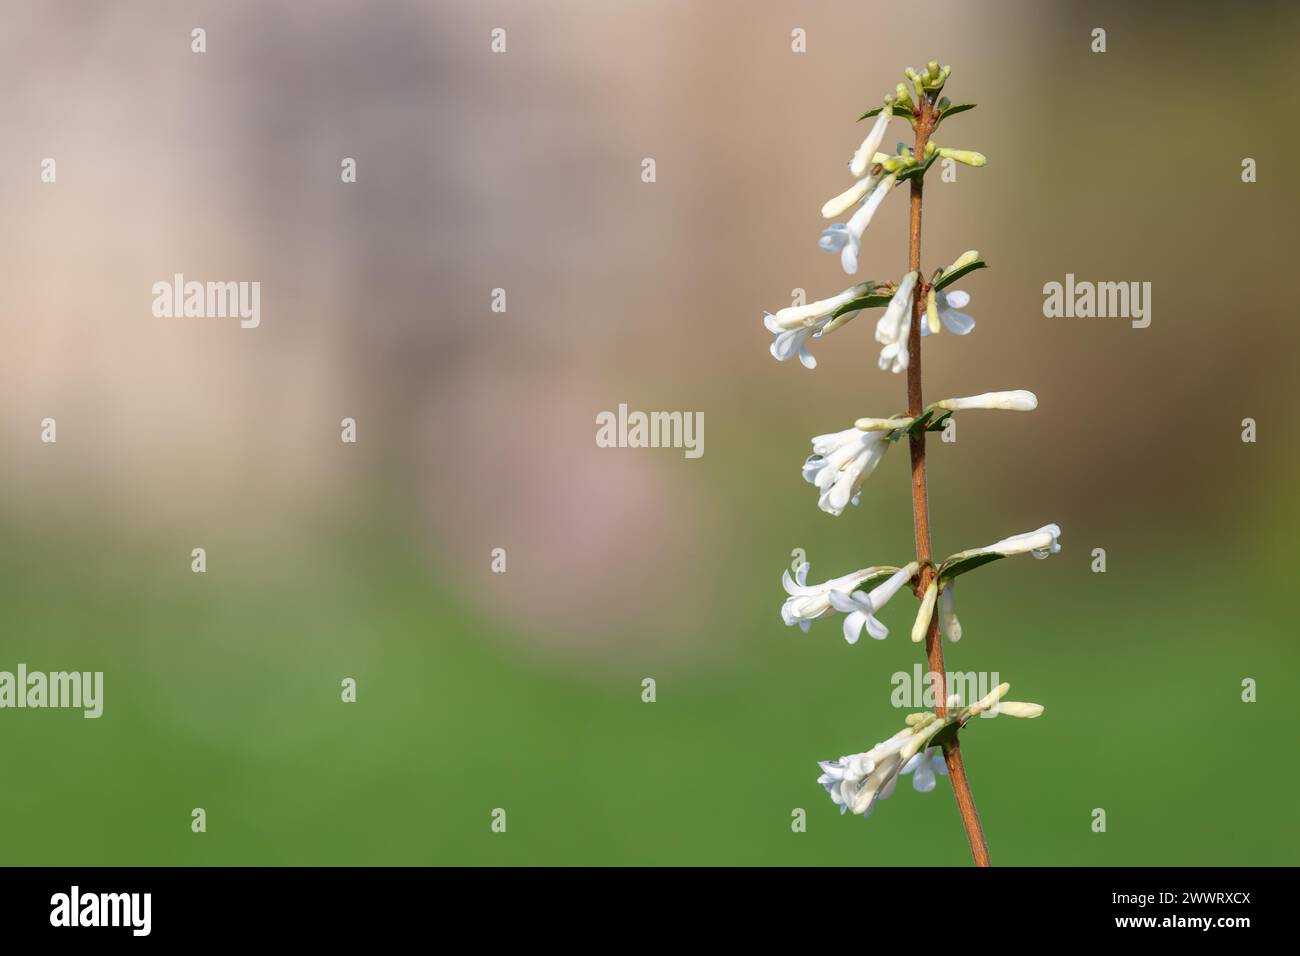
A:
[965,561]
[872,301]
[919,424]
[938,423]
[948,278]
[877,576]
[952,110]
[902,111]
[944,737]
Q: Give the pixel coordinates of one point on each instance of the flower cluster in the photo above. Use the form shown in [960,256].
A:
[857,781]
[876,174]
[841,461]
[806,602]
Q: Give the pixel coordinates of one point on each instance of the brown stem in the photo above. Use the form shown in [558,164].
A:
[921,506]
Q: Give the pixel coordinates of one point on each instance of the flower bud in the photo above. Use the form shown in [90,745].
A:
[1018,401]
[963,260]
[989,699]
[932,312]
[925,613]
[967,156]
[848,198]
[948,622]
[1017,708]
[882,424]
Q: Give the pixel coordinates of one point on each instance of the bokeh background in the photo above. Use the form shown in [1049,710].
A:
[476,431]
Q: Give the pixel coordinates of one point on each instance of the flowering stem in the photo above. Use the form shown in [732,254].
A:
[925,121]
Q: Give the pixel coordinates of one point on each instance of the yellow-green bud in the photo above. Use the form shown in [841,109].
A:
[882,424]
[925,613]
[967,156]
[989,699]
[1016,708]
[965,259]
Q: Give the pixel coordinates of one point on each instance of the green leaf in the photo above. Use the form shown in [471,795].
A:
[951,110]
[944,737]
[877,576]
[948,278]
[965,561]
[918,170]
[872,301]
[902,111]
[938,423]
[920,423]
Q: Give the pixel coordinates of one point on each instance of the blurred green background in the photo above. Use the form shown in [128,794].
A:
[476,430]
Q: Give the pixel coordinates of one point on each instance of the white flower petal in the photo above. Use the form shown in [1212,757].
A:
[862,158]
[958,323]
[833,238]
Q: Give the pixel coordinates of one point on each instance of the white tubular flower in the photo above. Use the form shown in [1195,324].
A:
[808,602]
[925,766]
[879,784]
[846,239]
[863,157]
[794,325]
[893,327]
[925,613]
[849,197]
[860,608]
[1017,401]
[842,778]
[1039,543]
[856,782]
[948,622]
[841,462]
[947,304]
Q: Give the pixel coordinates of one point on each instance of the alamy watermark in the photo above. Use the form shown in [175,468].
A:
[915,689]
[1102,300]
[75,908]
[75,690]
[208,300]
[626,429]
